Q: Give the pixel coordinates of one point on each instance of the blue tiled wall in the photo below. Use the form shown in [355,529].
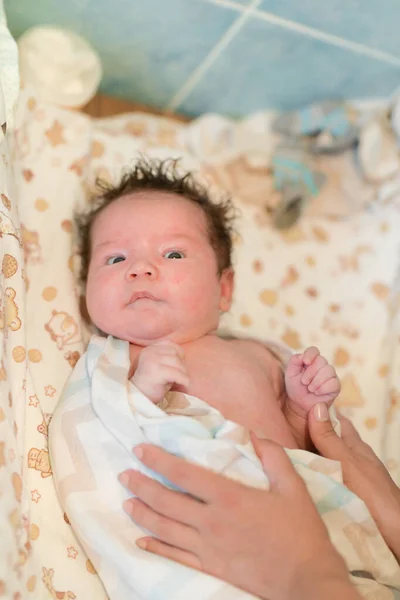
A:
[231,56]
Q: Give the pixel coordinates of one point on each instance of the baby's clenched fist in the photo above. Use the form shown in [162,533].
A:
[160,366]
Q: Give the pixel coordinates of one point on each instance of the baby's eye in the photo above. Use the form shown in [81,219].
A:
[115,259]
[174,254]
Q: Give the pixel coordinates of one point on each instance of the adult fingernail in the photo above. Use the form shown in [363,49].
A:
[123,478]
[321,412]
[138,452]
[142,543]
[127,506]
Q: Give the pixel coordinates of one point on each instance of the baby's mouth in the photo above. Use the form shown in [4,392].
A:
[143,295]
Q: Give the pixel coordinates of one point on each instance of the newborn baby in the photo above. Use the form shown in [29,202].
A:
[156,262]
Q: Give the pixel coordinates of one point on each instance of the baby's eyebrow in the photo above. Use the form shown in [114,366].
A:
[174,237]
[100,244]
[179,236]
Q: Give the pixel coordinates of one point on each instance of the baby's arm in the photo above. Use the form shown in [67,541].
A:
[160,366]
[309,380]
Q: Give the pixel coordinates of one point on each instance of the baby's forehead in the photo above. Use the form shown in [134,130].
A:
[150,211]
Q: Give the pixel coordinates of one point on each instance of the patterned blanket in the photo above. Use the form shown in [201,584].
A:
[101,416]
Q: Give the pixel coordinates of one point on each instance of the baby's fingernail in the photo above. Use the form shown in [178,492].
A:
[321,412]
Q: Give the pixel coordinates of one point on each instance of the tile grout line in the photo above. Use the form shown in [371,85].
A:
[204,66]
[228,4]
[328,38]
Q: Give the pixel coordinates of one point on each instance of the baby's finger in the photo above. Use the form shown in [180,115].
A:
[169,360]
[174,375]
[322,376]
[295,365]
[331,387]
[310,354]
[168,347]
[311,371]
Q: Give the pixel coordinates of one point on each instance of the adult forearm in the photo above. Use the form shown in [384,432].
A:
[394,544]
[387,516]
[328,590]
[328,579]
[392,534]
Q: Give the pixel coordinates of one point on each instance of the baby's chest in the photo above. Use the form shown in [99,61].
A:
[236,386]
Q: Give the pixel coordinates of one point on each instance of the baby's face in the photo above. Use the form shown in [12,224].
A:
[153,274]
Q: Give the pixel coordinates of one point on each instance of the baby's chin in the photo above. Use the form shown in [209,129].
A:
[146,336]
[148,340]
[152,336]
[149,329]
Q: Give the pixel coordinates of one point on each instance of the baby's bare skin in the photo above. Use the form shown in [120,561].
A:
[242,379]
[154,280]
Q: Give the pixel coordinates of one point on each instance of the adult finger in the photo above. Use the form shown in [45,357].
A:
[197,481]
[167,530]
[323,435]
[155,546]
[174,505]
[350,434]
[275,462]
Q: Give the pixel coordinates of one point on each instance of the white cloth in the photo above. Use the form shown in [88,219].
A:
[101,416]
[64,68]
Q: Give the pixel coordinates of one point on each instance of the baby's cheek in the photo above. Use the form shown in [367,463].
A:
[100,296]
[178,278]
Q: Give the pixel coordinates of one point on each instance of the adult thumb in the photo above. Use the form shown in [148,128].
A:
[276,463]
[323,435]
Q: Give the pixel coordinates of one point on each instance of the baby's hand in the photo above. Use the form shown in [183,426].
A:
[310,379]
[160,366]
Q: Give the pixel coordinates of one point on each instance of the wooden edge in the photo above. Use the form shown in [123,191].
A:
[107,106]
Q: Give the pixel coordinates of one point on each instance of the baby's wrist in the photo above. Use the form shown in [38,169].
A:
[147,390]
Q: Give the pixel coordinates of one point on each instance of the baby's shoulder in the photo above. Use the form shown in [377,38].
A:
[235,351]
[254,350]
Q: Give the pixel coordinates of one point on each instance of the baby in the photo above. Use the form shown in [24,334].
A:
[156,263]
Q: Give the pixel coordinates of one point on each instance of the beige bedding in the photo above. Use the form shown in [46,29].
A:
[328,281]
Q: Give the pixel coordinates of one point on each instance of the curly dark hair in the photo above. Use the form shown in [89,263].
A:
[159,175]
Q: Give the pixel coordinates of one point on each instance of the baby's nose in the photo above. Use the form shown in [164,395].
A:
[141,269]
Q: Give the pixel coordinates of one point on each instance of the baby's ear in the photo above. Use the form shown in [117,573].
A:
[226,282]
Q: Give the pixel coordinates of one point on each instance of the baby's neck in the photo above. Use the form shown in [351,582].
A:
[135,349]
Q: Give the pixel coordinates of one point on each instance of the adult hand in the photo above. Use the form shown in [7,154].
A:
[270,543]
[363,472]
